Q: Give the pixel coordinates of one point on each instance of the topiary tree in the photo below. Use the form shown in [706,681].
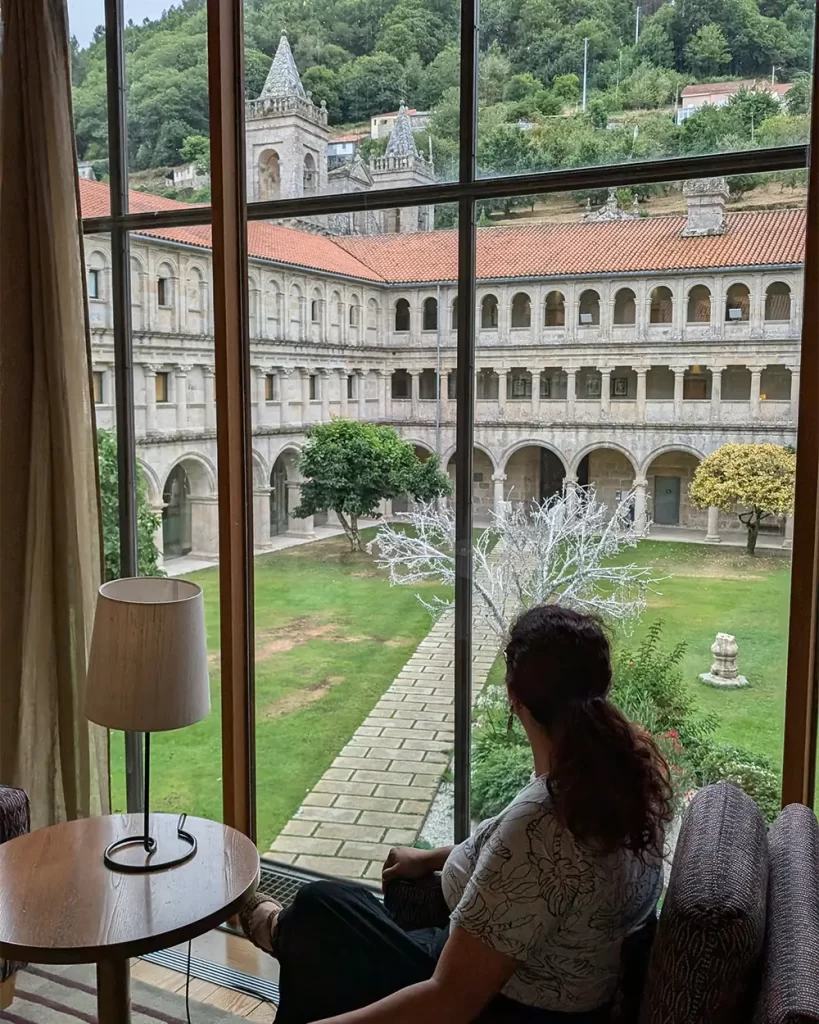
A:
[147,520]
[351,467]
[755,480]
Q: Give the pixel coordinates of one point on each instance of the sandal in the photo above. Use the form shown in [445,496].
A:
[246,914]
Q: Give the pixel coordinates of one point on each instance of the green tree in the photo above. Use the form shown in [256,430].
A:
[322,82]
[196,150]
[656,45]
[371,85]
[148,522]
[442,73]
[567,88]
[797,100]
[350,467]
[707,51]
[754,480]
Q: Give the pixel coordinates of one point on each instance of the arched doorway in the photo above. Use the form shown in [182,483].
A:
[176,515]
[669,478]
[610,472]
[533,474]
[482,483]
[404,502]
[279,503]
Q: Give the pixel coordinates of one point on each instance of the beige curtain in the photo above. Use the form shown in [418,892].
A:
[49,513]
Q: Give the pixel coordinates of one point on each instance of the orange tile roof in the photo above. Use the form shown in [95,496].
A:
[761,238]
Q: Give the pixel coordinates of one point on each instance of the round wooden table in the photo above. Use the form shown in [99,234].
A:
[59,904]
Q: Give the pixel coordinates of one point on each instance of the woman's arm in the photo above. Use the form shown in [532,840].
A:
[407,862]
[469,974]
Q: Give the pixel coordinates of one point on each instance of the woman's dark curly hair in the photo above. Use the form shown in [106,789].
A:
[609,783]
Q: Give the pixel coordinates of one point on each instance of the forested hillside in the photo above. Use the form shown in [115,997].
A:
[366,56]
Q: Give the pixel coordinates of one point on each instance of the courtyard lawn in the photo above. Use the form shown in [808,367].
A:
[331,635]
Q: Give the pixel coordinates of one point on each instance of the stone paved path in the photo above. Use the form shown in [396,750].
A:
[379,789]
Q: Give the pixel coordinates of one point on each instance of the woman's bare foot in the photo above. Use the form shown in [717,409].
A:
[259,919]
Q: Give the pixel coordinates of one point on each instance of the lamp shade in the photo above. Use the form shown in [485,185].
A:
[148,668]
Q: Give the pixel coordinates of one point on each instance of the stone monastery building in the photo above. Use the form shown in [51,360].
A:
[616,351]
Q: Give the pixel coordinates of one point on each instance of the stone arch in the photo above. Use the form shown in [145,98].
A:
[453,314]
[404,502]
[310,175]
[778,301]
[605,445]
[270,175]
[402,316]
[283,472]
[272,302]
[529,442]
[201,471]
[449,455]
[260,474]
[588,308]
[189,477]
[555,309]
[429,318]
[625,307]
[152,483]
[316,303]
[195,299]
[294,313]
[661,305]
[335,308]
[521,310]
[535,471]
[698,305]
[489,312]
[96,271]
[166,277]
[373,314]
[607,467]
[354,316]
[484,470]
[738,303]
[669,471]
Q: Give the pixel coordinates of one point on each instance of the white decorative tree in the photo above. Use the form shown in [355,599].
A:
[558,550]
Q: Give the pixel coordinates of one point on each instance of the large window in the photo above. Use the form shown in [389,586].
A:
[619,336]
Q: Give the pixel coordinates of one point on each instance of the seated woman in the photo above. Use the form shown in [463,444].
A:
[541,897]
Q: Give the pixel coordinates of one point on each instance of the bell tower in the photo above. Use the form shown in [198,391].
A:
[286,135]
[403,166]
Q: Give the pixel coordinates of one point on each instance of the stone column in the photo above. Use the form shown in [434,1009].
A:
[756,387]
[640,485]
[257,411]
[383,383]
[605,390]
[204,524]
[324,395]
[362,376]
[261,517]
[159,534]
[499,479]
[502,384]
[414,395]
[795,377]
[679,378]
[787,543]
[712,533]
[641,394]
[342,391]
[181,394]
[571,392]
[305,394]
[535,372]
[210,397]
[149,373]
[716,393]
[280,331]
[304,331]
[283,380]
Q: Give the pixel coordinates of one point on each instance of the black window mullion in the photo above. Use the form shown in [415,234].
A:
[465,425]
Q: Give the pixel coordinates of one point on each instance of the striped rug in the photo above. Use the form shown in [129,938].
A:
[68,995]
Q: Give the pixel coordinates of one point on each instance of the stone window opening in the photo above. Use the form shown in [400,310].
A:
[589,384]
[161,386]
[697,382]
[553,383]
[373,314]
[521,310]
[163,291]
[487,385]
[430,315]
[660,384]
[269,175]
[589,309]
[778,301]
[314,387]
[452,385]
[310,178]
[350,386]
[454,314]
[94,284]
[520,385]
[352,317]
[489,313]
[270,387]
[661,309]
[401,385]
[99,392]
[699,305]
[775,384]
[428,386]
[625,308]
[555,315]
[736,384]
[402,316]
[623,384]
[315,311]
[738,304]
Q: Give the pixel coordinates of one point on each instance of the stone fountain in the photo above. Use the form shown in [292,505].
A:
[724,672]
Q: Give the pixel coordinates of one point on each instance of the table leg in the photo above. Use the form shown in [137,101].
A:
[114,992]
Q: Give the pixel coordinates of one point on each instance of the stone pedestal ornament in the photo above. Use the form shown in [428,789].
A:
[724,673]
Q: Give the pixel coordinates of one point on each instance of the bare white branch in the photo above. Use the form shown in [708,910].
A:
[563,549]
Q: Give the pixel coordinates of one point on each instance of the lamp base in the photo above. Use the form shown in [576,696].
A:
[135,855]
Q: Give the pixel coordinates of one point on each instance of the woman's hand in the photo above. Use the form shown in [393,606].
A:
[406,862]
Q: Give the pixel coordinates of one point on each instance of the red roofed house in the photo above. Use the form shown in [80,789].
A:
[717,94]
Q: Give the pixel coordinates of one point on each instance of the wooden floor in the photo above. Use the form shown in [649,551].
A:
[221,948]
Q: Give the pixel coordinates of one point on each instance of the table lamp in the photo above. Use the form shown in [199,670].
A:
[148,672]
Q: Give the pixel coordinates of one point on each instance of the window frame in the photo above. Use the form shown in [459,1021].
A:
[229,214]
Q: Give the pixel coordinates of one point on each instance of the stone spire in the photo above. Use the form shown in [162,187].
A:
[402,141]
[283,77]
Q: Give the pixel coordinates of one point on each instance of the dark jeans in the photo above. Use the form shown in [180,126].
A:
[339,949]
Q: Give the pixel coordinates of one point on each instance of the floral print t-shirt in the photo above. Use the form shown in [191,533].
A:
[526,887]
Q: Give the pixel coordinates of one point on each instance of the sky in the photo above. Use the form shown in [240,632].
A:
[85,15]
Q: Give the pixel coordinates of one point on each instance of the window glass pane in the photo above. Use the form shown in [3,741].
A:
[86,20]
[349,100]
[570,86]
[635,428]
[353,675]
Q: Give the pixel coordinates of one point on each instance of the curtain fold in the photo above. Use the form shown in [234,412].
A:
[49,513]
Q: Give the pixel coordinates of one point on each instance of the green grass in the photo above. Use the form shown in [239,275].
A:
[331,635]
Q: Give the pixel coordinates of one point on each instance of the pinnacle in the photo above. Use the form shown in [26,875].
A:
[402,141]
[283,77]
